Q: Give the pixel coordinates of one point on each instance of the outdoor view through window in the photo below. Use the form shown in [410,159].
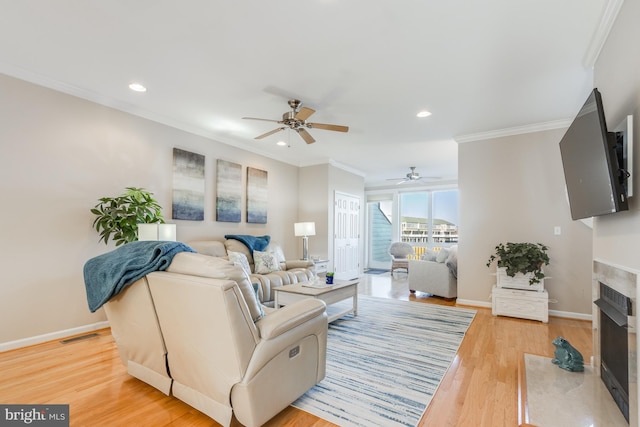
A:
[428,219]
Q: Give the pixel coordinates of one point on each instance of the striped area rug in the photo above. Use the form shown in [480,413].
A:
[384,365]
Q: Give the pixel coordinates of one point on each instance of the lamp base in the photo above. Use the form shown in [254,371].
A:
[305,248]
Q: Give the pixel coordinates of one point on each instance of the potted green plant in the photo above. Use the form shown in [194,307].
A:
[118,217]
[329,278]
[524,259]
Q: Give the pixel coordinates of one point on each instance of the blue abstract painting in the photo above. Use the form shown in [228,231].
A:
[188,185]
[228,191]
[256,196]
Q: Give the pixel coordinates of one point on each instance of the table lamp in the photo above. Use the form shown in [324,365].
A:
[305,229]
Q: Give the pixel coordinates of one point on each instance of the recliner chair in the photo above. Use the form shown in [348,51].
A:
[137,334]
[224,364]
[198,331]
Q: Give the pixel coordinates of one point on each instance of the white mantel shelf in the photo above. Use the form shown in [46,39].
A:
[549,396]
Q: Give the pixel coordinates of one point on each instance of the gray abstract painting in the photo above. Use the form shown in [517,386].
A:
[256,196]
[188,185]
[228,191]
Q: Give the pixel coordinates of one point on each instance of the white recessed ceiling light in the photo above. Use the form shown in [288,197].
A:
[423,113]
[137,87]
[281,143]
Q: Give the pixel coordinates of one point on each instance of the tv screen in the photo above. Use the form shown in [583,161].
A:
[591,166]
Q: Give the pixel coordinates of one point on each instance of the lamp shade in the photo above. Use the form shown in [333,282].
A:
[157,232]
[304,228]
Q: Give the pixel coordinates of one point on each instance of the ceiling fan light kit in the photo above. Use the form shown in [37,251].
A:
[296,119]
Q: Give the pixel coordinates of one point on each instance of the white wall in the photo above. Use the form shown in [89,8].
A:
[512,190]
[617,75]
[58,155]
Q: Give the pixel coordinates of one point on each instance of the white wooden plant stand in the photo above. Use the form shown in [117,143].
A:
[514,297]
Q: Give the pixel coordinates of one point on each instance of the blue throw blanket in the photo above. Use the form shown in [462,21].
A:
[106,275]
[254,243]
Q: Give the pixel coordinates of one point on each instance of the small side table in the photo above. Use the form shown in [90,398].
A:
[321,266]
[532,305]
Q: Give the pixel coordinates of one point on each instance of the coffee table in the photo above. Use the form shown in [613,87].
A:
[340,290]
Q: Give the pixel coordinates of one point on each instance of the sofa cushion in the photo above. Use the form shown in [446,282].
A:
[442,256]
[429,255]
[209,247]
[241,259]
[265,262]
[452,260]
[234,245]
[276,249]
[218,268]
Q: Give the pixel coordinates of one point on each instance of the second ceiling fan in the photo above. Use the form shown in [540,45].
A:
[412,176]
[296,119]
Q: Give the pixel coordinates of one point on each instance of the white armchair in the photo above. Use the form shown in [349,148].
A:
[436,276]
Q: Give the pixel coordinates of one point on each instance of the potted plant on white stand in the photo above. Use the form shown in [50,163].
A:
[118,217]
[520,265]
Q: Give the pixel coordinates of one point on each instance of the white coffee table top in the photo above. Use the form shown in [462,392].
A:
[300,288]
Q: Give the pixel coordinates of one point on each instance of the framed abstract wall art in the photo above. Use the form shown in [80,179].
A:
[228,191]
[256,196]
[188,185]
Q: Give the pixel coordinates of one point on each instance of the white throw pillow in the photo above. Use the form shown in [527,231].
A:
[442,255]
[265,262]
[241,259]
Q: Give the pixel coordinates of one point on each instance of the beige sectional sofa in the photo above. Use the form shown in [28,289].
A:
[197,331]
[289,272]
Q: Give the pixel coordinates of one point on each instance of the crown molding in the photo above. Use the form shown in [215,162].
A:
[518,130]
[609,15]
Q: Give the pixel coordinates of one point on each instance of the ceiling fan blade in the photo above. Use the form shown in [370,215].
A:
[264,135]
[402,182]
[325,126]
[264,120]
[304,113]
[306,136]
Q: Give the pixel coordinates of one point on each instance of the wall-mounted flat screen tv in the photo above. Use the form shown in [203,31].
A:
[592,159]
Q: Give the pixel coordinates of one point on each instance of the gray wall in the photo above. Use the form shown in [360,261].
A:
[317,187]
[617,75]
[58,155]
[512,190]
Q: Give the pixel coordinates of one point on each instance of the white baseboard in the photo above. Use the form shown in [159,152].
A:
[556,313]
[570,315]
[39,339]
[473,303]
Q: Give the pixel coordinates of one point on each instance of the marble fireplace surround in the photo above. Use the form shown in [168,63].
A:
[625,281]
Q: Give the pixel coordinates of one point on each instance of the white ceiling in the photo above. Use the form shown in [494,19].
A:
[477,66]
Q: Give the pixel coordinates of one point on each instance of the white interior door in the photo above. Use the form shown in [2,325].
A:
[346,244]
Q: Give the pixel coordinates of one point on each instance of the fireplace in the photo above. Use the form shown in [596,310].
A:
[614,344]
[614,334]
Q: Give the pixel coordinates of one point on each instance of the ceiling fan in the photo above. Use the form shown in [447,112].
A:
[296,119]
[411,177]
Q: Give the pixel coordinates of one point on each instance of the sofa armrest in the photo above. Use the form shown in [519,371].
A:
[289,317]
[298,263]
[432,277]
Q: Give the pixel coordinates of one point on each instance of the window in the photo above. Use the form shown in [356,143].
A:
[429,219]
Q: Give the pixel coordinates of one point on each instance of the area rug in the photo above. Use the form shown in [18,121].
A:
[376,271]
[385,364]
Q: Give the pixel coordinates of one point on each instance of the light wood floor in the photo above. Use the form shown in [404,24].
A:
[480,388]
